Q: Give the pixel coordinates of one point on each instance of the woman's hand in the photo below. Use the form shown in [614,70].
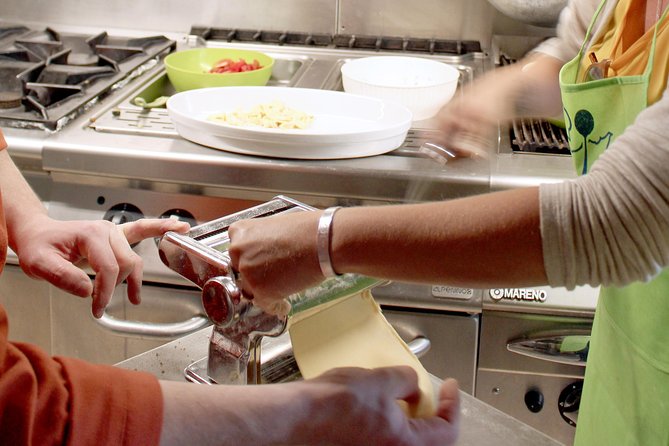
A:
[50,249]
[470,122]
[528,88]
[275,257]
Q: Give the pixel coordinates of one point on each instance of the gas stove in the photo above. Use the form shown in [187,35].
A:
[48,76]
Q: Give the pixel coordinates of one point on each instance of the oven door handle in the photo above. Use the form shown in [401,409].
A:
[419,346]
[564,348]
[152,330]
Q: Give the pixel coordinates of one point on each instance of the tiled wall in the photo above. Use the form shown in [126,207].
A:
[449,19]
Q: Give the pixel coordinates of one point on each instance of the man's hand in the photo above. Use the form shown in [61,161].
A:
[343,407]
[50,249]
[359,406]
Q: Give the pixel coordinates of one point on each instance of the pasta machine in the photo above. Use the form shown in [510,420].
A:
[239,326]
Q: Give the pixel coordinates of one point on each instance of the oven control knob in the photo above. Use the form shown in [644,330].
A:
[569,402]
[123,213]
[534,400]
[181,215]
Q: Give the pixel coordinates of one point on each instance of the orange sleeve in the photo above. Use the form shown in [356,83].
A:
[3,227]
[46,400]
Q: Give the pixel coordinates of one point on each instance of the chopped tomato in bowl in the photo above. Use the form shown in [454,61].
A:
[231,66]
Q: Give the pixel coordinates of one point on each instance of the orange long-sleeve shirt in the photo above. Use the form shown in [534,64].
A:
[45,400]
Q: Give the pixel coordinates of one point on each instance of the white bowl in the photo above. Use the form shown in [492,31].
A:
[421,85]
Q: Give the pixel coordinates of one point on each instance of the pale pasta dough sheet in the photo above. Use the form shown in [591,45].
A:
[354,333]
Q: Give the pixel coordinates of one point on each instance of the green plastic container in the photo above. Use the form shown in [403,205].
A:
[189,69]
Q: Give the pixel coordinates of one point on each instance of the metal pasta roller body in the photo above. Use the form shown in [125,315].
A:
[201,256]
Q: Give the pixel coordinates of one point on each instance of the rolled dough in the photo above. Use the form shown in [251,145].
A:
[352,332]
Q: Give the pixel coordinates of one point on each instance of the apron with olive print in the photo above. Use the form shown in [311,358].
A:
[625,397]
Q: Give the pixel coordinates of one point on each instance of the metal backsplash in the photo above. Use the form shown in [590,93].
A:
[448,19]
[454,19]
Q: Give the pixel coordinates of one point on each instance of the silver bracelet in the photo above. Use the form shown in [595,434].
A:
[323,241]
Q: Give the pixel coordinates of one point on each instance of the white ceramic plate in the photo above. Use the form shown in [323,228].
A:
[344,125]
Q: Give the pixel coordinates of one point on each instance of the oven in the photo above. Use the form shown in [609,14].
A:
[533,351]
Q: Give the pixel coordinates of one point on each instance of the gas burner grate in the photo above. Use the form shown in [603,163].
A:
[260,36]
[6,31]
[41,50]
[538,136]
[56,74]
[21,55]
[432,46]
[528,135]
[41,96]
[350,41]
[72,75]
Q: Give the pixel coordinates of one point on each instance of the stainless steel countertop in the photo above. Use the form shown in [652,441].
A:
[481,424]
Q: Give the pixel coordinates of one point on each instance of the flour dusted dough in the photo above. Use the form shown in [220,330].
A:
[354,333]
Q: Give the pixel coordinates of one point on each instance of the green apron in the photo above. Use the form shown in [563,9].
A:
[625,398]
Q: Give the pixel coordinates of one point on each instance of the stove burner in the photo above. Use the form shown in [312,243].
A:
[10,99]
[47,76]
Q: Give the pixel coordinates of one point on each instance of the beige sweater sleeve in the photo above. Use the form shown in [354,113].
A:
[611,226]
